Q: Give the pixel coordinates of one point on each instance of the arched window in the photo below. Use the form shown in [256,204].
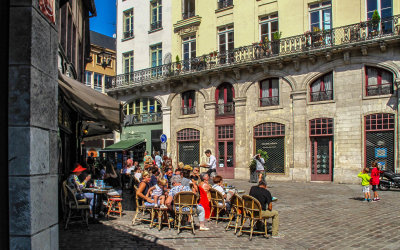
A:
[188,140]
[269,92]
[188,102]
[322,88]
[378,81]
[141,111]
[224,95]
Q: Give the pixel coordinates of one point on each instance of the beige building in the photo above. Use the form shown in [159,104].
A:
[322,104]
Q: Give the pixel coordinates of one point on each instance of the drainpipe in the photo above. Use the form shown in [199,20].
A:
[397,82]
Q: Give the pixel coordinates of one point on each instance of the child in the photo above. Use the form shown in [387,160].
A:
[375,174]
[365,178]
[157,193]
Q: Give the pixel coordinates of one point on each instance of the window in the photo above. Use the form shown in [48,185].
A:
[320,16]
[98,81]
[188,50]
[224,3]
[321,127]
[188,102]
[188,140]
[226,39]
[98,59]
[188,9]
[268,26]
[378,81]
[128,62]
[156,55]
[88,78]
[156,14]
[128,24]
[269,92]
[108,81]
[145,104]
[385,10]
[322,88]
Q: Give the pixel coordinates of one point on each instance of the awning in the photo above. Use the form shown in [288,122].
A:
[91,105]
[123,145]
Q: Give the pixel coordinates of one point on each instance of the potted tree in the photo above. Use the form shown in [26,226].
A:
[275,43]
[375,19]
[253,164]
[178,63]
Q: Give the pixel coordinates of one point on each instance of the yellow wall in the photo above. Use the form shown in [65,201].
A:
[94,67]
[293,19]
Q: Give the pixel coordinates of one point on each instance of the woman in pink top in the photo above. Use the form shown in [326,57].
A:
[375,174]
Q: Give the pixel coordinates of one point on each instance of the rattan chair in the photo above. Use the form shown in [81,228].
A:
[80,207]
[236,212]
[217,205]
[142,209]
[184,205]
[252,213]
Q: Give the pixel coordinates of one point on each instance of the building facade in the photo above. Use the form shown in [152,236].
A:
[144,31]
[312,83]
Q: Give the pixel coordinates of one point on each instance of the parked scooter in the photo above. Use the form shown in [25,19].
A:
[389,180]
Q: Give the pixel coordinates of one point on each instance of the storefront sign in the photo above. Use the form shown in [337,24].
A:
[47,8]
[380,152]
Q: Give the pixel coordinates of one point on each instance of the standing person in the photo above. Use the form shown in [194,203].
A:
[375,174]
[261,193]
[90,163]
[211,165]
[158,159]
[365,179]
[129,162]
[147,157]
[260,167]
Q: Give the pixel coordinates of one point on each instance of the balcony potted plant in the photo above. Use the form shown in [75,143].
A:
[178,63]
[375,19]
[275,43]
[253,164]
[316,36]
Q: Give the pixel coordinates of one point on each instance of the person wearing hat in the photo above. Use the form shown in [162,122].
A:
[185,174]
[75,184]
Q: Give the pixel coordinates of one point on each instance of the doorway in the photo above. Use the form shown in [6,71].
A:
[225,151]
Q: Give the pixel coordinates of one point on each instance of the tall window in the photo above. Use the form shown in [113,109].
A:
[268,26]
[108,81]
[226,38]
[188,9]
[269,92]
[188,50]
[156,14]
[320,16]
[88,78]
[128,62]
[156,55]
[128,23]
[188,102]
[224,3]
[385,10]
[322,88]
[378,81]
[188,140]
[98,81]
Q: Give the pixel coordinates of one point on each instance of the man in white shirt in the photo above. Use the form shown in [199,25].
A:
[211,165]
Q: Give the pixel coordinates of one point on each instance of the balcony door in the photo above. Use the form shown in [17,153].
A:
[224,98]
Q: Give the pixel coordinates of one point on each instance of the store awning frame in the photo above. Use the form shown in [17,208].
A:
[123,145]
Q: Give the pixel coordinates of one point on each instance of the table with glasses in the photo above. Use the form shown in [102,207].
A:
[97,191]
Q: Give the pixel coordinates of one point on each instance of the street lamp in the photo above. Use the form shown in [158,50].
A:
[105,59]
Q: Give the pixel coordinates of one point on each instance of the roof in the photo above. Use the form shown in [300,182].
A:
[102,40]
[123,145]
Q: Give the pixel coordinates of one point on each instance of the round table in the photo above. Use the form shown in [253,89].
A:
[95,192]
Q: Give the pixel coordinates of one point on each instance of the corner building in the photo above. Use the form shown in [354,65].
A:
[313,83]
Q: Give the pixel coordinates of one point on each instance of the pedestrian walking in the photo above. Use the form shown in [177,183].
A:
[365,181]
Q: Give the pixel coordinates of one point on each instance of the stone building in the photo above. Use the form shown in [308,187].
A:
[323,102]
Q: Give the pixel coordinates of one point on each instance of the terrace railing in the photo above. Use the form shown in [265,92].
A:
[142,119]
[307,42]
[381,89]
[224,109]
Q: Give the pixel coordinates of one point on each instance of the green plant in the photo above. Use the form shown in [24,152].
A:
[253,163]
[177,59]
[375,17]
[277,35]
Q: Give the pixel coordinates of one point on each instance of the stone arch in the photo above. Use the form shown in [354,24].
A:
[157,98]
[272,73]
[214,84]
[173,95]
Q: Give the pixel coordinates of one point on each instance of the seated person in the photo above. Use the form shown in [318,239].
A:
[195,175]
[75,184]
[143,188]
[261,193]
[177,187]
[168,176]
[156,193]
[154,177]
[185,174]
[177,172]
[218,185]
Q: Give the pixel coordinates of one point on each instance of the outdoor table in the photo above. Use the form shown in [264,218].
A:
[95,192]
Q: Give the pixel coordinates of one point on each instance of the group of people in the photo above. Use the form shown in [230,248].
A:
[370,180]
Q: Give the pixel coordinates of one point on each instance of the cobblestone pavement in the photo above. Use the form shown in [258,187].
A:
[312,216]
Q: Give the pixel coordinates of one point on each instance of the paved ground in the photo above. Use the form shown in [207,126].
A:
[312,215]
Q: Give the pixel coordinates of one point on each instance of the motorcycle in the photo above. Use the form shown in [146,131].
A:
[388,180]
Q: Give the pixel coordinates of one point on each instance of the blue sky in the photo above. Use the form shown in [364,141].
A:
[105,21]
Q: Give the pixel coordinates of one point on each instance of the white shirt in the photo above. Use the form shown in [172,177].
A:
[213,162]
[128,170]
[259,163]
[158,160]
[219,188]
[138,176]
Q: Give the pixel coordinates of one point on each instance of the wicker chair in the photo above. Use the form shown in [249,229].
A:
[142,209]
[81,207]
[252,213]
[236,212]
[217,205]
[184,205]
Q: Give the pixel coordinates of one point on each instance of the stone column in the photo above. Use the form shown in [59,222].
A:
[300,171]
[32,128]
[208,136]
[241,140]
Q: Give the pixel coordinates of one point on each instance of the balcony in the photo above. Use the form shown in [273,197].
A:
[310,43]
[188,110]
[128,34]
[155,25]
[188,14]
[225,109]
[225,4]
[269,101]
[319,96]
[142,119]
[382,89]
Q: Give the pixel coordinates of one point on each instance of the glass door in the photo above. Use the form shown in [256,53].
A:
[225,166]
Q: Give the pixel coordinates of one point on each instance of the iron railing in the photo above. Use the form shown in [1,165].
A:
[142,118]
[187,15]
[225,109]
[128,34]
[188,110]
[224,3]
[318,96]
[155,25]
[269,101]
[381,89]
[305,43]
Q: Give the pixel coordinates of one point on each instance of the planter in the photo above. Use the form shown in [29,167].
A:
[253,177]
[275,47]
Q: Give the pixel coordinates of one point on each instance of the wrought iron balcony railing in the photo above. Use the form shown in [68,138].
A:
[142,119]
[224,3]
[155,25]
[269,101]
[305,43]
[321,96]
[188,110]
[224,109]
[382,89]
[188,14]
[128,34]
